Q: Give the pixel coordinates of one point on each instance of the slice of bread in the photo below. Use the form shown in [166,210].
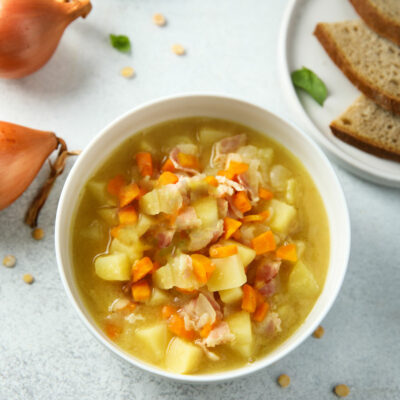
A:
[370,128]
[383,16]
[370,62]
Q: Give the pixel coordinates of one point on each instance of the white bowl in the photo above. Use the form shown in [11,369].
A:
[225,108]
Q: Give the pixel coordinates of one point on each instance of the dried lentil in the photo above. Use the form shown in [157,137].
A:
[342,390]
[178,49]
[28,278]
[284,380]
[9,261]
[127,72]
[319,332]
[159,19]
[38,233]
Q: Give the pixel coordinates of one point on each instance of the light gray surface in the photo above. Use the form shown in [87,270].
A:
[45,351]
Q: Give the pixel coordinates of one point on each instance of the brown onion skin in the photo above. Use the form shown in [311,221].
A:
[22,153]
[30,31]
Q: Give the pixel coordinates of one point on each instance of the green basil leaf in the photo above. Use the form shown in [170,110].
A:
[121,43]
[307,80]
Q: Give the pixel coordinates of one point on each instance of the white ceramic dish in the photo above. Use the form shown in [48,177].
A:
[226,108]
[298,47]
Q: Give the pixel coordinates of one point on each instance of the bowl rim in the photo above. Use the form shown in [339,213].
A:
[143,365]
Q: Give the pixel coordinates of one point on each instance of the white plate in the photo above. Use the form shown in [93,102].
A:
[298,47]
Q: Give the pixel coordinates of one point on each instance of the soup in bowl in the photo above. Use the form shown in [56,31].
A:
[199,245]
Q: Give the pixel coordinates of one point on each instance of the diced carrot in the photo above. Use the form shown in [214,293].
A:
[142,191]
[226,173]
[287,252]
[167,178]
[256,217]
[128,215]
[171,218]
[141,268]
[265,194]
[167,311]
[188,160]
[112,331]
[205,330]
[145,163]
[156,266]
[264,243]
[168,166]
[241,202]
[128,193]
[176,325]
[261,312]
[230,227]
[237,168]
[202,267]
[237,235]
[218,251]
[141,291]
[186,291]
[115,231]
[115,184]
[211,180]
[249,299]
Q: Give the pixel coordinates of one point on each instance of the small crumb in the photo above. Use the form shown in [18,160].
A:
[38,233]
[28,278]
[284,380]
[319,332]
[159,19]
[178,49]
[342,390]
[9,261]
[127,72]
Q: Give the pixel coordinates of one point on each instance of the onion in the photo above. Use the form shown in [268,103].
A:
[22,153]
[30,31]
[278,176]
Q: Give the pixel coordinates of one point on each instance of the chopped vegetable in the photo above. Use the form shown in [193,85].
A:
[205,331]
[231,296]
[113,267]
[211,180]
[115,185]
[183,357]
[128,193]
[112,331]
[265,194]
[241,202]
[167,178]
[218,251]
[256,217]
[154,338]
[121,43]
[229,273]
[283,216]
[307,80]
[176,325]
[230,227]
[167,311]
[287,252]
[141,291]
[264,243]
[249,300]
[188,160]
[202,267]
[141,268]
[168,166]
[261,312]
[128,215]
[145,163]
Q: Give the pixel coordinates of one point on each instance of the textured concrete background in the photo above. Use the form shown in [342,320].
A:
[45,351]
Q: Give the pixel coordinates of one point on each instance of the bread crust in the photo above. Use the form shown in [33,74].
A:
[386,101]
[382,25]
[363,144]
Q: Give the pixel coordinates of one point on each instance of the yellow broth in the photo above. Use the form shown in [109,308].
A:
[91,237]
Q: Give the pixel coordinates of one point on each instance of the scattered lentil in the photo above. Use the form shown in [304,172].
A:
[28,278]
[159,19]
[319,332]
[127,72]
[9,261]
[342,390]
[284,380]
[38,233]
[178,49]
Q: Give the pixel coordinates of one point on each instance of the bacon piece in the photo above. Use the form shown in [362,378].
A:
[270,326]
[173,155]
[165,237]
[187,219]
[221,334]
[198,312]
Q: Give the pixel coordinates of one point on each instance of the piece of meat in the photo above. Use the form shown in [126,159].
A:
[200,238]
[270,326]
[221,334]
[214,303]
[198,312]
[223,147]
[187,219]
[164,238]
[267,269]
[173,155]
[210,354]
[233,211]
[227,187]
[267,289]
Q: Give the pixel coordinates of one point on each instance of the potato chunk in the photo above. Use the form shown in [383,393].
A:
[240,325]
[154,338]
[302,282]
[158,297]
[167,199]
[134,252]
[113,267]
[246,254]
[182,357]
[283,216]
[206,210]
[229,273]
[109,215]
[98,190]
[231,296]
[209,136]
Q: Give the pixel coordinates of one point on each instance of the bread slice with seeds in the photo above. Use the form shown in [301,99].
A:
[371,128]
[383,16]
[370,62]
